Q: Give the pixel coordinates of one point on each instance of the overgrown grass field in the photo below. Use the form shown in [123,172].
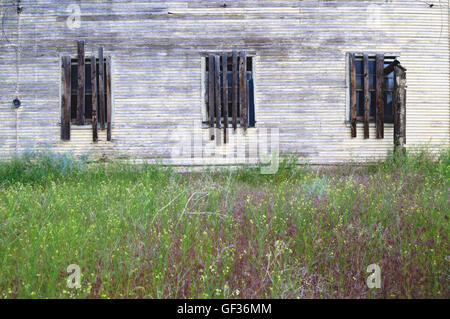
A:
[146,231]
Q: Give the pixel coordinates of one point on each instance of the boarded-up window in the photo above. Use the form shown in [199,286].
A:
[229,101]
[86,92]
[371,91]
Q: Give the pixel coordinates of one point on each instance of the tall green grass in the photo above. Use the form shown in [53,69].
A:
[147,231]
[38,167]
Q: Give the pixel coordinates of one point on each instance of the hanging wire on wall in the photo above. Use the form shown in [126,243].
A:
[13,6]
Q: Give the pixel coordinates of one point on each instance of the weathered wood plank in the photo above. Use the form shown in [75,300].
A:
[225,94]
[94,98]
[81,94]
[391,67]
[399,106]
[402,95]
[206,85]
[380,96]
[396,109]
[366,95]
[101,89]
[353,94]
[108,99]
[217,89]
[211,97]
[65,98]
[234,92]
[243,89]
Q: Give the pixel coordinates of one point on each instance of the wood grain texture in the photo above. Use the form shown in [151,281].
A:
[243,89]
[379,64]
[81,84]
[108,99]
[234,92]
[94,98]
[101,89]
[225,94]
[353,94]
[366,95]
[217,90]
[401,78]
[65,98]
[390,68]
[211,95]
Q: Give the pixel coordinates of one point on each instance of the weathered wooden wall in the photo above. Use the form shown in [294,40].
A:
[156,46]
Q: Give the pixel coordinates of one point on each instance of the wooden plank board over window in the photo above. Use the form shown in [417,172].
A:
[65,98]
[380,95]
[402,103]
[372,95]
[211,97]
[81,81]
[217,89]
[108,99]
[225,94]
[243,89]
[353,94]
[101,89]
[234,92]
[94,98]
[391,66]
[366,95]
[399,106]
[229,92]
[86,92]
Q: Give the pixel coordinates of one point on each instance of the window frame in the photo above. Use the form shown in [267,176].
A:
[86,126]
[88,120]
[204,109]
[388,57]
